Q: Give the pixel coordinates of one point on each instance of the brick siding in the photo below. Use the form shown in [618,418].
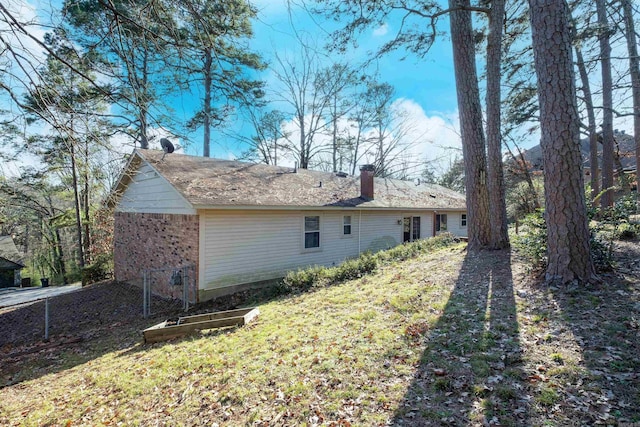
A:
[154,241]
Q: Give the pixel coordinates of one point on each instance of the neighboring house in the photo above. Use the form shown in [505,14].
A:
[242,223]
[10,263]
[624,156]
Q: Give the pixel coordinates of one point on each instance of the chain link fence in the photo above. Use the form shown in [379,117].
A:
[82,315]
[177,283]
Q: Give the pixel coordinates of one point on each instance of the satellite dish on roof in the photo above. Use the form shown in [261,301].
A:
[167,146]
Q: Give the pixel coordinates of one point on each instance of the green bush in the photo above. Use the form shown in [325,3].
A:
[627,231]
[532,243]
[410,250]
[304,279]
[317,276]
[99,270]
[601,253]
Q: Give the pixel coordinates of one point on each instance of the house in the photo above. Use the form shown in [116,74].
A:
[624,157]
[242,223]
[10,263]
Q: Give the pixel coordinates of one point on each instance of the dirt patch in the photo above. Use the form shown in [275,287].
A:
[104,316]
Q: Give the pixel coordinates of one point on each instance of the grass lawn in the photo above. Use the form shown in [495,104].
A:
[446,338]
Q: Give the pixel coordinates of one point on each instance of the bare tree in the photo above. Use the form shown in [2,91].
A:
[607,104]
[634,70]
[569,256]
[591,124]
[302,89]
[264,142]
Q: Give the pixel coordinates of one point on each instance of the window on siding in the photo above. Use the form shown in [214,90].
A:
[311,232]
[346,225]
[441,222]
[463,220]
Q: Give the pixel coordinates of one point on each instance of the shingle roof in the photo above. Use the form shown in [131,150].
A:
[206,182]
[9,251]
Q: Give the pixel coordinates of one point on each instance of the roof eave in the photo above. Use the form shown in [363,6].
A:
[324,207]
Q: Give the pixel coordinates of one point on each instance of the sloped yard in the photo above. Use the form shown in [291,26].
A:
[443,339]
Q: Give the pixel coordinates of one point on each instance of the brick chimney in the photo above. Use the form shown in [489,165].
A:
[366,181]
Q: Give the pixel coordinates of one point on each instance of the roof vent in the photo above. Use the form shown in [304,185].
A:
[432,196]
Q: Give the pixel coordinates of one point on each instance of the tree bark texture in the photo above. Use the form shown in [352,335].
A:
[141,95]
[591,123]
[568,251]
[208,81]
[634,70]
[495,173]
[471,126]
[607,105]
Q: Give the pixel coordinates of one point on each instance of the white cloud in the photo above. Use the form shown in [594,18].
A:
[432,138]
[382,30]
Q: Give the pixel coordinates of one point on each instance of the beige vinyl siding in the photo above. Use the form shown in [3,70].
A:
[380,230]
[239,247]
[248,246]
[426,225]
[150,193]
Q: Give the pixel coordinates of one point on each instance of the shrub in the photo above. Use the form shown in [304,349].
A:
[99,270]
[627,231]
[302,280]
[532,243]
[601,253]
[410,250]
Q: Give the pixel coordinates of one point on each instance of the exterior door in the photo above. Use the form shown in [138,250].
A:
[410,228]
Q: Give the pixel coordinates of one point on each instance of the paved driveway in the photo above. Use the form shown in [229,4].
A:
[15,296]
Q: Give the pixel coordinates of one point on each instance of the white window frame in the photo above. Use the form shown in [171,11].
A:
[304,232]
[350,225]
[463,220]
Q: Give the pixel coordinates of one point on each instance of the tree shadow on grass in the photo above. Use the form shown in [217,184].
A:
[603,320]
[470,372]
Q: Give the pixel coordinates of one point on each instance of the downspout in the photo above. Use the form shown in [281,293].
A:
[359,224]
[433,227]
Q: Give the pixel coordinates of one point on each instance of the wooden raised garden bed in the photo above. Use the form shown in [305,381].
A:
[185,325]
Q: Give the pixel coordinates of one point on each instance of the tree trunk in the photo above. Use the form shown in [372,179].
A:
[634,71]
[495,173]
[334,147]
[207,104]
[568,251]
[607,106]
[142,98]
[591,118]
[471,127]
[304,161]
[76,199]
[86,213]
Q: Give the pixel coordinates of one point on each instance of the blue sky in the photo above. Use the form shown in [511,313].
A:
[425,87]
